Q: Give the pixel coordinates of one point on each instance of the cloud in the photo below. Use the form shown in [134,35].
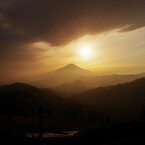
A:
[58,22]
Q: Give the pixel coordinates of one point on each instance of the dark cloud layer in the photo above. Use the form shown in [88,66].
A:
[60,21]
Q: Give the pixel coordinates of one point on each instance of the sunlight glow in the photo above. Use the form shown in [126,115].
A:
[86,51]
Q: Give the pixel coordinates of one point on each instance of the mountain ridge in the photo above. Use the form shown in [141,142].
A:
[69,74]
[121,102]
[25,99]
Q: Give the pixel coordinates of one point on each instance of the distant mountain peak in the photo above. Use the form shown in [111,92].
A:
[71,65]
[68,73]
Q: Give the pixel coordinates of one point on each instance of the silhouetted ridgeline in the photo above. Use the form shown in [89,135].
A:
[71,78]
[124,102]
[24,100]
[97,109]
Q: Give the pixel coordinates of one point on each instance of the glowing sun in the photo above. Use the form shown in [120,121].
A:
[85,51]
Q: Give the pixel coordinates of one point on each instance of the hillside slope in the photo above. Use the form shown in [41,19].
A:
[123,100]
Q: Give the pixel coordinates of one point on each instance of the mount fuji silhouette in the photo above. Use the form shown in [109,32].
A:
[70,72]
[72,68]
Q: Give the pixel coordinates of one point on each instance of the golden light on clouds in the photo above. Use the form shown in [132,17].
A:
[106,53]
[112,49]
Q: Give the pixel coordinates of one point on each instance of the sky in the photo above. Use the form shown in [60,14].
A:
[37,36]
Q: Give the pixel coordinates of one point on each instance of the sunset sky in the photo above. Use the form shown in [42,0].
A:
[37,36]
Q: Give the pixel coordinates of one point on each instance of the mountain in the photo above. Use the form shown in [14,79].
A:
[92,82]
[70,72]
[72,79]
[73,69]
[124,101]
[16,87]
[24,99]
[69,88]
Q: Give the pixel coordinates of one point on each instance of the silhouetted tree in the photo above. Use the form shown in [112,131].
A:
[143,113]
[92,117]
[107,119]
[9,122]
[74,113]
[41,113]
[40,122]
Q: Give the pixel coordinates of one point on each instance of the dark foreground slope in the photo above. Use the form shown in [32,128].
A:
[125,101]
[23,99]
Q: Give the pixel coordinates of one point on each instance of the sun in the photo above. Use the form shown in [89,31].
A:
[85,51]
